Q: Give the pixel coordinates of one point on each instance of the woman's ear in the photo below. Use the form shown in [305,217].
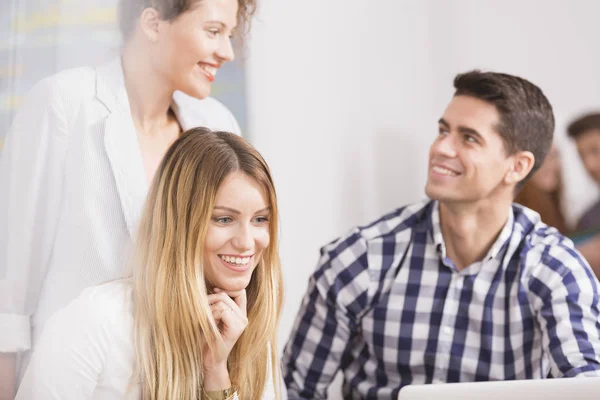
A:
[522,163]
[150,23]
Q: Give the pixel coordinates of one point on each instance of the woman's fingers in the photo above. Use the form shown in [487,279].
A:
[228,313]
[238,304]
[241,301]
[231,317]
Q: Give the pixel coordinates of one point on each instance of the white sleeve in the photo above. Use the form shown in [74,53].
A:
[31,175]
[69,359]
[269,392]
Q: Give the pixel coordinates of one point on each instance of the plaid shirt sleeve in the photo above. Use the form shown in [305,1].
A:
[566,300]
[328,321]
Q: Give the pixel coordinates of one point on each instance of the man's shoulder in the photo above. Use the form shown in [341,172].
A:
[400,220]
[544,250]
[386,234]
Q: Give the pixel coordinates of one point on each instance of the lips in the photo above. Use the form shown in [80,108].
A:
[235,260]
[443,170]
[209,70]
[231,262]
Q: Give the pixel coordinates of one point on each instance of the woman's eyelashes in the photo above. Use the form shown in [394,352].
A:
[263,219]
[222,220]
[213,32]
[227,220]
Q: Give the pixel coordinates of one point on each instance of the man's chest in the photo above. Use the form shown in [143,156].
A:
[438,320]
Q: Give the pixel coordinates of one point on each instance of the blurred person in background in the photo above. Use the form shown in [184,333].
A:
[197,319]
[585,131]
[82,149]
[543,192]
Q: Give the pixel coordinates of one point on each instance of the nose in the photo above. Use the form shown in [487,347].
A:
[444,146]
[225,51]
[244,238]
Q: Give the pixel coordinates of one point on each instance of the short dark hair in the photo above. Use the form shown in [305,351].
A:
[130,10]
[526,118]
[584,124]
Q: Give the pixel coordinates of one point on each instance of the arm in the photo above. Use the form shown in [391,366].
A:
[72,351]
[30,178]
[568,311]
[328,320]
[590,250]
[8,368]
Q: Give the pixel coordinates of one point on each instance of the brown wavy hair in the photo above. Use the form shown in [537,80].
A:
[130,10]
[547,204]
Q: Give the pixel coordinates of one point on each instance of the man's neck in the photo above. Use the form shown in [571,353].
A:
[470,230]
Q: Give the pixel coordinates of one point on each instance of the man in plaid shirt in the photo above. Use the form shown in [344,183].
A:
[465,287]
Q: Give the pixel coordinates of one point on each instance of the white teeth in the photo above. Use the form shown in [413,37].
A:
[208,69]
[444,171]
[235,260]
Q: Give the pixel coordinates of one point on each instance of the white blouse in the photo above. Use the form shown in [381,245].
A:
[72,186]
[86,350]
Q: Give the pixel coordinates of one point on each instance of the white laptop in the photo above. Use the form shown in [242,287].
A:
[533,389]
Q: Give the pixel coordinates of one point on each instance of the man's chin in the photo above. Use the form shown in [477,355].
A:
[431,192]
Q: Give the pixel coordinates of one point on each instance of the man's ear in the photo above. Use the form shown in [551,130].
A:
[150,23]
[522,163]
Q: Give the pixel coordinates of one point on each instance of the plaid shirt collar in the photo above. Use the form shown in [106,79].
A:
[497,250]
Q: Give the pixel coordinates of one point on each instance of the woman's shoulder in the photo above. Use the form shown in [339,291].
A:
[107,306]
[208,112]
[81,342]
[107,298]
[63,93]
[67,83]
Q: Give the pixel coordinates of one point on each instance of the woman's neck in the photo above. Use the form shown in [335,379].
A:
[149,95]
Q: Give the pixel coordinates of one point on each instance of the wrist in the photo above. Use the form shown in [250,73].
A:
[225,394]
[216,377]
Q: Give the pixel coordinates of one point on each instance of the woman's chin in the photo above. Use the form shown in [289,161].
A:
[233,285]
[198,90]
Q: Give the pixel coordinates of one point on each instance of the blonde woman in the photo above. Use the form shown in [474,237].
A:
[80,154]
[198,318]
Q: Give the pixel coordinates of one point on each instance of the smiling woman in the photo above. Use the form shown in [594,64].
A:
[185,41]
[198,318]
[130,10]
[238,232]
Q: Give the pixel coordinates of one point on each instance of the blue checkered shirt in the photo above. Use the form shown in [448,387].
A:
[388,308]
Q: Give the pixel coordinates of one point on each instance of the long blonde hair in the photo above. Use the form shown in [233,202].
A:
[172,316]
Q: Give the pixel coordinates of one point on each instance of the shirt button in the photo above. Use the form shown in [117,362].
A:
[448,331]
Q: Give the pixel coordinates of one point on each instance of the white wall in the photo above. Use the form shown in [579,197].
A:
[344,97]
[340,115]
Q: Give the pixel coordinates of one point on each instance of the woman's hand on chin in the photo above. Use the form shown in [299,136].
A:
[229,309]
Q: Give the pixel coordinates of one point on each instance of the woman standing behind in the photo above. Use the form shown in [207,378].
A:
[543,192]
[198,318]
[77,161]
